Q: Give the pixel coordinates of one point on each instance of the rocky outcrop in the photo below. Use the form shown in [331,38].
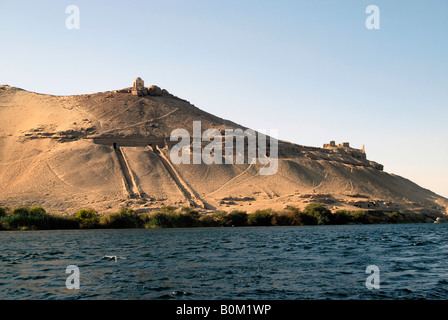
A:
[154,91]
[72,134]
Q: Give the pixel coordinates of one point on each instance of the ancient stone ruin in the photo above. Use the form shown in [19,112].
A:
[138,89]
[345,148]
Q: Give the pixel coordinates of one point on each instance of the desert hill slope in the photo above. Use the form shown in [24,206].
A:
[111,149]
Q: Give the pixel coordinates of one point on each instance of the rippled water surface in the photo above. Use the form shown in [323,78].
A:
[315,262]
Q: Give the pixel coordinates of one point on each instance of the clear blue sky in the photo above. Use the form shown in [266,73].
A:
[309,68]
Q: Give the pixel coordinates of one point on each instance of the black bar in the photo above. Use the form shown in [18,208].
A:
[224,309]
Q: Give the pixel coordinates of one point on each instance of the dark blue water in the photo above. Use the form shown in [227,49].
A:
[315,262]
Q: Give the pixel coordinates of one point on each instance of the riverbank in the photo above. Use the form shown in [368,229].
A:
[36,218]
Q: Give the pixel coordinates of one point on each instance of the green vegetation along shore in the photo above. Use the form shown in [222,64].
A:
[36,218]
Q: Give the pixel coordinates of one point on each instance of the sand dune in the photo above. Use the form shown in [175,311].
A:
[71,152]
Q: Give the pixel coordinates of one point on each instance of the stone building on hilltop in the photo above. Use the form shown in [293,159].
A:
[138,87]
[345,147]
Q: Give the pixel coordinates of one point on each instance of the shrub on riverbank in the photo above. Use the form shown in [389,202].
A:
[292,216]
[166,217]
[2,212]
[169,217]
[24,218]
[350,217]
[260,218]
[125,218]
[87,218]
[235,218]
[319,211]
[284,218]
[209,220]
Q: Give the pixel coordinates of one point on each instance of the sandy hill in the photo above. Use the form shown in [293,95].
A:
[110,149]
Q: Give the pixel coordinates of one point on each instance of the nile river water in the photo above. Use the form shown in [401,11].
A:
[312,262]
